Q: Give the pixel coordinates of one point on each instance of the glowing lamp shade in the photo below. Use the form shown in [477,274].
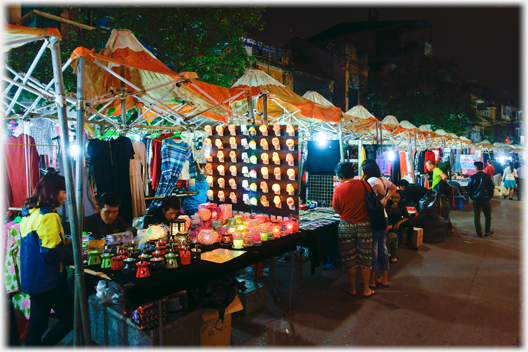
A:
[155,232]
[232,129]
[253,187]
[220,130]
[290,189]
[219,143]
[209,180]
[208,129]
[205,214]
[221,195]
[289,159]
[233,197]
[232,183]
[265,158]
[263,129]
[290,201]
[209,168]
[391,156]
[208,142]
[264,186]
[245,170]
[253,201]
[210,195]
[276,158]
[276,129]
[221,169]
[291,174]
[220,156]
[277,173]
[233,170]
[290,144]
[253,159]
[276,188]
[207,237]
[276,143]
[264,144]
[245,197]
[245,184]
[277,201]
[264,201]
[232,140]
[221,182]
[290,130]
[232,154]
[253,145]
[253,174]
[321,139]
[265,172]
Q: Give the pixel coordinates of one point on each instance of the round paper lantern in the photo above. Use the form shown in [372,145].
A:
[155,232]
[205,214]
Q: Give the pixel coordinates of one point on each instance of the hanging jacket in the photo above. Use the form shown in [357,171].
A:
[43,251]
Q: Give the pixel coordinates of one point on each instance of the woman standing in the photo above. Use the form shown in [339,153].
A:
[508,177]
[354,234]
[44,255]
[384,189]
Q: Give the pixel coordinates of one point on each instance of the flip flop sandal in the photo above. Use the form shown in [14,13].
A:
[372,294]
[395,261]
[371,287]
[379,283]
[347,291]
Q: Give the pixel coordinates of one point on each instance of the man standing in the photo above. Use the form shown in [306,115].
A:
[490,170]
[438,174]
[480,189]
[520,178]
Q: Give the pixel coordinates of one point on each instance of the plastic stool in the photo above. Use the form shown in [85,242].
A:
[459,201]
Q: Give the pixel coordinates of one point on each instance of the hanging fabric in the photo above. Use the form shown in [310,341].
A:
[173,158]
[429,155]
[20,155]
[155,166]
[138,179]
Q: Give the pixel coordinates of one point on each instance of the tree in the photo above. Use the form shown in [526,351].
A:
[205,40]
[424,91]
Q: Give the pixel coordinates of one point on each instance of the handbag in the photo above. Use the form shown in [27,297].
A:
[375,209]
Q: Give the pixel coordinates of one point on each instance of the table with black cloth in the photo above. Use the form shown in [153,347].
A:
[139,291]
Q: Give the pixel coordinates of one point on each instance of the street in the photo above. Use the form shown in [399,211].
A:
[463,292]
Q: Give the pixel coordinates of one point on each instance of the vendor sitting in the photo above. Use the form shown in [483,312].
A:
[199,185]
[105,221]
[169,210]
[411,194]
[399,219]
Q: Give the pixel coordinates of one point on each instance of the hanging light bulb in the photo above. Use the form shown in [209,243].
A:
[321,139]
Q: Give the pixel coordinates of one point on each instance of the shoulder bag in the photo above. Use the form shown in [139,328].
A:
[375,209]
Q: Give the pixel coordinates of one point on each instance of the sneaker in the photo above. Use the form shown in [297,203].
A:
[490,234]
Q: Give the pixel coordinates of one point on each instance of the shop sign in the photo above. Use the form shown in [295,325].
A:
[261,44]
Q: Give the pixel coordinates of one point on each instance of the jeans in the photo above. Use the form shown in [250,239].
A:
[485,206]
[60,299]
[380,254]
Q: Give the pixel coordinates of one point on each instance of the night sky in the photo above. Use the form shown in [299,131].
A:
[484,41]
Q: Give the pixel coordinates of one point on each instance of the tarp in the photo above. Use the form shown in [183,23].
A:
[145,71]
[15,36]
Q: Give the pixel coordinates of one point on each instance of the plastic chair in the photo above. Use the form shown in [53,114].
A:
[459,201]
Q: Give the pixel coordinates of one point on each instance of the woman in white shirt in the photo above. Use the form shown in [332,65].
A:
[508,177]
[380,254]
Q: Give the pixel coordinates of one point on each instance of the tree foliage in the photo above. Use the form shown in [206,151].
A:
[424,91]
[204,40]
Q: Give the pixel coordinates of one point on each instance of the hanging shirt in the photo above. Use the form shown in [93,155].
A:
[155,166]
[43,130]
[429,155]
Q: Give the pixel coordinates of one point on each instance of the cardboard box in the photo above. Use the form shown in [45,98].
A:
[417,236]
[214,332]
[498,191]
[253,298]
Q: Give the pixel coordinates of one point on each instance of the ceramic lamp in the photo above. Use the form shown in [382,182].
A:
[210,180]
[276,158]
[208,142]
[290,130]
[220,130]
[232,183]
[276,129]
[290,189]
[291,203]
[233,197]
[253,201]
[207,237]
[253,187]
[277,173]
[210,195]
[245,184]
[232,129]
[221,170]
[233,170]
[221,182]
[276,188]
[253,174]
[291,174]
[264,144]
[220,156]
[245,198]
[265,172]
[221,196]
[245,157]
[277,201]
[233,156]
[233,142]
[219,143]
[290,160]
[238,243]
[253,159]
[252,131]
[208,129]
[263,129]
[264,187]
[276,143]
[252,145]
[265,158]
[264,201]
[290,144]
[209,168]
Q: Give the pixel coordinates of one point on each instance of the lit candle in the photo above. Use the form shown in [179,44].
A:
[264,201]
[289,159]
[276,128]
[276,188]
[208,142]
[276,143]
[221,182]
[291,203]
[233,197]
[219,143]
[276,231]
[264,143]
[290,189]
[221,196]
[290,130]
[208,129]
[238,243]
[290,143]
[265,173]
[253,159]
[220,156]
[220,130]
[221,170]
[233,156]
[264,236]
[232,129]
[245,184]
[277,173]
[263,129]
[232,183]
[253,174]
[291,174]
[233,170]
[277,201]
[233,142]
[253,145]
[253,187]
[245,171]
[265,158]
[276,158]
[210,194]
[264,187]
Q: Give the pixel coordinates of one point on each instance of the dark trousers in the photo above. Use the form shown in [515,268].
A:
[519,181]
[59,299]
[485,206]
[409,227]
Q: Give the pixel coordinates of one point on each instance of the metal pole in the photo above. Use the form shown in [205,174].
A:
[415,151]
[265,108]
[341,151]
[123,99]
[77,251]
[250,107]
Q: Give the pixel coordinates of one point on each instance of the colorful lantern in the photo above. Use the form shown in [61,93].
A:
[233,197]
[290,130]
[253,145]
[263,129]
[245,157]
[290,189]
[205,214]
[291,203]
[245,198]
[210,195]
[264,201]
[290,160]
[221,195]
[276,158]
[264,144]
[221,182]
[232,129]
[233,142]
[253,174]
[210,180]
[219,143]
[233,156]
[291,144]
[207,237]
[276,188]
[220,156]
[277,173]
[245,184]
[253,159]
[252,131]
[220,130]
[233,170]
[291,174]
[253,187]
[265,158]
[277,202]
[208,142]
[245,171]
[265,172]
[232,183]
[276,128]
[244,129]
[221,170]
[276,143]
[208,129]
[209,168]
[253,201]
[264,187]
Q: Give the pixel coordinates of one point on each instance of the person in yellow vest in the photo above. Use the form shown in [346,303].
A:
[438,174]
[44,254]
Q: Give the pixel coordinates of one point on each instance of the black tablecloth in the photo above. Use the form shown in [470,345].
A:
[320,242]
[157,286]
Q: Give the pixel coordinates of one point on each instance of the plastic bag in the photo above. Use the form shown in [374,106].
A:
[434,217]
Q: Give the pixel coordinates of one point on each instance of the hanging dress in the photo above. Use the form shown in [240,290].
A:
[138,179]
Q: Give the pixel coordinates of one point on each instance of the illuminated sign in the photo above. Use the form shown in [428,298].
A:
[261,44]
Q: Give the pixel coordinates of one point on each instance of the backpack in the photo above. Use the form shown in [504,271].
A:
[375,209]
